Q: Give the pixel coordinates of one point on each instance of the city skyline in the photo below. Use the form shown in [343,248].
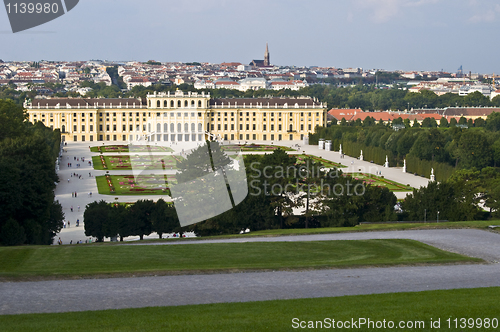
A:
[405,35]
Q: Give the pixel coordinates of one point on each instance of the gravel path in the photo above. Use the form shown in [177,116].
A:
[98,294]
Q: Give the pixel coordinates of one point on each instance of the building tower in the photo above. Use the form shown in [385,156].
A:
[267,58]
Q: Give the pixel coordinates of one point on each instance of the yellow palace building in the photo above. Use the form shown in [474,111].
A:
[179,116]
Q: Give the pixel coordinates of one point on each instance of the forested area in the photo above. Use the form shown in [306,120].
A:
[367,97]
[444,147]
[28,153]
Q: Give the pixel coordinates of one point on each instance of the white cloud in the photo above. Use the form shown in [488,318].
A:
[384,10]
[486,17]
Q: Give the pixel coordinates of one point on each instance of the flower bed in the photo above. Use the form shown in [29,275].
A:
[255,147]
[130,185]
[136,162]
[126,148]
[379,181]
[324,162]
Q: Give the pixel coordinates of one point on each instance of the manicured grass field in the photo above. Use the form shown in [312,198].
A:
[380,181]
[126,162]
[324,162]
[278,315]
[125,148]
[254,148]
[138,185]
[80,260]
[479,224]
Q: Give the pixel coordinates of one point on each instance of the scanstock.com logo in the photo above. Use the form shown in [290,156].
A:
[24,14]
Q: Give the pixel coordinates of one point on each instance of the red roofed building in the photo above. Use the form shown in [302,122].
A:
[339,113]
[384,116]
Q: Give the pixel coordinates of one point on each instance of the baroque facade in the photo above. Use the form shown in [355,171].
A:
[179,116]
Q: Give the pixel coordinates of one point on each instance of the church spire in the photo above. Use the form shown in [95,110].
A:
[267,58]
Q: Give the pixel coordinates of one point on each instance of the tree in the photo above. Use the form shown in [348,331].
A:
[407,123]
[479,122]
[141,214]
[116,220]
[28,180]
[453,122]
[405,143]
[476,99]
[398,121]
[493,121]
[369,121]
[416,124]
[12,234]
[95,218]
[446,198]
[474,150]
[430,145]
[429,123]
[277,185]
[12,119]
[462,121]
[164,218]
[443,123]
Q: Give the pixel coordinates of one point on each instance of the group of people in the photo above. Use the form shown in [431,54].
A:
[59,242]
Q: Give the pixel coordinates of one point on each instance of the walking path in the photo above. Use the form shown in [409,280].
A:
[117,293]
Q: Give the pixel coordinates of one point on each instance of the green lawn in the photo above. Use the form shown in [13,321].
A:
[138,185]
[324,162]
[125,148]
[70,260]
[279,315]
[126,162]
[254,148]
[479,224]
[380,181]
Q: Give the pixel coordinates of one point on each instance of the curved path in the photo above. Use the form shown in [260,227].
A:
[98,294]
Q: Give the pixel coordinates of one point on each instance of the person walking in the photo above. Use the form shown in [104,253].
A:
[68,223]
[78,208]
[71,208]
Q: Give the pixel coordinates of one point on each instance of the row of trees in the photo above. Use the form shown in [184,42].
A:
[142,218]
[453,148]
[29,214]
[366,97]
[458,198]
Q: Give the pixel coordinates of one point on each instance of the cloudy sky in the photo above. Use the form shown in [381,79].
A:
[383,34]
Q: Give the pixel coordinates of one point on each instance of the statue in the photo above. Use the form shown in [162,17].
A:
[404,166]
[361,156]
